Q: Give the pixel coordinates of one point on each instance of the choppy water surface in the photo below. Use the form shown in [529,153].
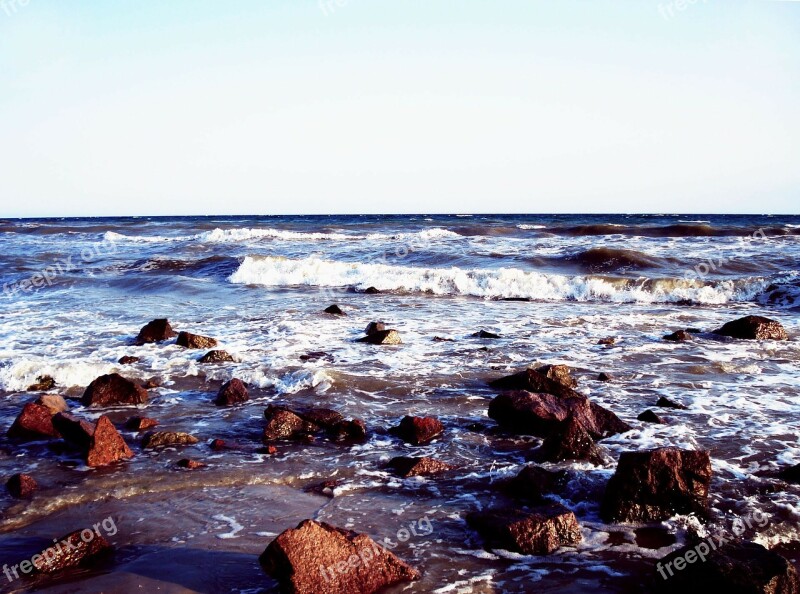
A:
[259,285]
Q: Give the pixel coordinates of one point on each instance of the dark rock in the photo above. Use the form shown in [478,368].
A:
[382,337]
[371,291]
[791,474]
[160,439]
[335,310]
[316,355]
[232,392]
[569,441]
[440,339]
[534,483]
[317,558]
[694,331]
[406,466]
[195,341]
[374,327]
[665,402]
[604,377]
[540,531]
[418,430]
[217,357]
[355,430]
[113,390]
[655,485]
[735,567]
[128,360]
[43,383]
[140,423]
[71,551]
[152,383]
[608,341]
[53,402]
[218,444]
[754,328]
[75,431]
[323,417]
[325,488]
[106,445]
[34,422]
[484,334]
[649,416]
[155,331]
[190,464]
[21,486]
[678,336]
[558,373]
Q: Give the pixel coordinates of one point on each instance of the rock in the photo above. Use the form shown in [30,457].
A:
[382,337]
[604,377]
[334,310]
[218,444]
[140,423]
[754,328]
[54,403]
[791,474]
[152,383]
[441,339]
[217,357]
[665,402]
[155,331]
[325,488]
[106,445]
[232,392]
[734,567]
[190,464]
[531,380]
[533,483]
[540,531]
[128,360]
[418,430]
[113,390]
[558,373]
[283,423]
[484,334]
[74,430]
[678,336]
[569,441]
[649,416]
[406,466]
[655,485]
[34,422]
[608,341]
[270,450]
[160,439]
[374,327]
[355,430]
[316,355]
[371,291]
[317,558]
[21,486]
[540,414]
[43,383]
[323,417]
[195,341]
[71,551]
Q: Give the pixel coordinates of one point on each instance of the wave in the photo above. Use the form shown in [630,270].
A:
[604,259]
[499,283]
[675,230]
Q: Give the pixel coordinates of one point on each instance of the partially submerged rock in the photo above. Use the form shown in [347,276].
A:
[195,341]
[113,390]
[534,483]
[106,445]
[216,357]
[161,439]
[75,431]
[382,337]
[540,531]
[128,360]
[334,310]
[34,422]
[418,430]
[76,549]
[665,402]
[21,486]
[156,331]
[140,423]
[286,423]
[407,466]
[678,336]
[485,334]
[604,377]
[649,416]
[569,441]
[317,558]
[374,327]
[232,392]
[558,373]
[283,423]
[43,383]
[753,328]
[189,464]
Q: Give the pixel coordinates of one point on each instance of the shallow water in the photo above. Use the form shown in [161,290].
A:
[259,285]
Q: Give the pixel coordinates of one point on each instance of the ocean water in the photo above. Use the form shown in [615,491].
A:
[75,292]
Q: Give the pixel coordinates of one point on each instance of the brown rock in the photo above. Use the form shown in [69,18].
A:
[128,360]
[754,328]
[34,422]
[657,484]
[316,355]
[195,341]
[355,430]
[285,424]
[649,416]
[232,392]
[21,486]
[325,488]
[106,445]
[334,310]
[113,390]
[534,483]
[665,402]
[74,430]
[374,327]
[217,357]
[418,430]
[541,531]
[558,373]
[71,551]
[140,423]
[570,441]
[317,558]
[406,466]
[160,439]
[218,444]
[190,464]
[390,337]
[54,403]
[678,336]
[608,341]
[43,383]
[155,331]
[604,377]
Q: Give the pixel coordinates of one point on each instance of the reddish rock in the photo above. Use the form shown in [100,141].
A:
[232,392]
[317,558]
[195,341]
[53,402]
[162,439]
[190,464]
[390,337]
[71,551]
[270,450]
[540,531]
[334,310]
[534,483]
[218,444]
[113,390]
[155,331]
[558,373]
[128,360]
[655,485]
[34,422]
[106,445]
[406,466]
[418,430]
[216,357]
[678,336]
[285,424]
[754,328]
[649,416]
[21,486]
[140,423]
[75,431]
[608,341]
[570,441]
[665,402]
[374,327]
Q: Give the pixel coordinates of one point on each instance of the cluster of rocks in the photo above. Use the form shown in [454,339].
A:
[160,330]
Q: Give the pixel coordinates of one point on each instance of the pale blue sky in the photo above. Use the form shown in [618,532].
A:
[305,106]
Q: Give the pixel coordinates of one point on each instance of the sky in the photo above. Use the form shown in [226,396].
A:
[193,107]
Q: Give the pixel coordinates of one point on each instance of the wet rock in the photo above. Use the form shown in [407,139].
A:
[531,380]
[570,441]
[53,402]
[160,439]
[604,377]
[317,558]
[71,551]
[382,337]
[106,445]
[325,488]
[232,392]
[74,430]
[678,336]
[34,422]
[665,402]
[128,360]
[21,486]
[43,383]
[374,327]
[190,464]
[534,483]
[218,444]
[316,355]
[283,423]
[152,383]
[735,567]
[406,466]
[322,417]
[485,334]
[418,430]
[355,430]
[217,357]
[655,485]
[558,373]
[608,341]
[371,291]
[649,416]
[334,310]
[441,339]
[113,390]
[195,341]
[540,531]
[753,328]
[791,474]
[140,423]
[155,331]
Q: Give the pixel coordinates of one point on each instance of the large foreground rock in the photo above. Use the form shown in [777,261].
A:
[34,422]
[317,558]
[106,445]
[754,328]
[733,568]
[538,532]
[156,331]
[195,341]
[71,551]
[655,485]
[113,390]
